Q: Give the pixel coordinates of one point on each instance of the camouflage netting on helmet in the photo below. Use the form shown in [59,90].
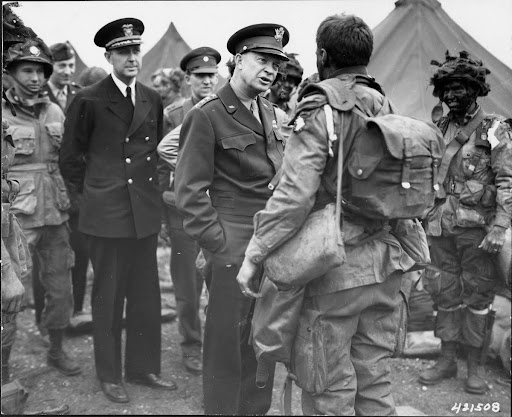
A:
[292,68]
[20,43]
[462,68]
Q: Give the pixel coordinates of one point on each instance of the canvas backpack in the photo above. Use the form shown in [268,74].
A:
[393,163]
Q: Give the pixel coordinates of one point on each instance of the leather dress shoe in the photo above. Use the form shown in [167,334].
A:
[193,364]
[115,392]
[152,381]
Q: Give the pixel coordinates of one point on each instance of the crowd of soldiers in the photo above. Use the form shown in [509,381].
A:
[98,171]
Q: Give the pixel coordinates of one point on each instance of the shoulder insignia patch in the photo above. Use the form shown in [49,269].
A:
[206,100]
[299,124]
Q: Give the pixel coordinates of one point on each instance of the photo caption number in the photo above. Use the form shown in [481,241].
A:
[458,407]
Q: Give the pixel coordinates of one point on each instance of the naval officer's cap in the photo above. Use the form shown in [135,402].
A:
[268,38]
[120,33]
[201,60]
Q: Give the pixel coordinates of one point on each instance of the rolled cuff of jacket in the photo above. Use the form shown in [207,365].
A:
[256,251]
[502,219]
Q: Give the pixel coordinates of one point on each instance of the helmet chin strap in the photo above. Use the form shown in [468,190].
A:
[23,88]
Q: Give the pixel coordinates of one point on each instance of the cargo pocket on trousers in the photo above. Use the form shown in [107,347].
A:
[309,362]
[401,332]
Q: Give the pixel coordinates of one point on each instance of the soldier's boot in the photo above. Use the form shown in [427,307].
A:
[445,367]
[6,353]
[58,358]
[475,384]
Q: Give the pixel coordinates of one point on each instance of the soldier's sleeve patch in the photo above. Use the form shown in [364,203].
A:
[299,124]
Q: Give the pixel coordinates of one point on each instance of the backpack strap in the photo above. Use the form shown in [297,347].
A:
[456,144]
[333,138]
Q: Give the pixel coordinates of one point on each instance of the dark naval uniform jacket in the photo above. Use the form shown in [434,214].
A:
[111,158]
[72,88]
[226,161]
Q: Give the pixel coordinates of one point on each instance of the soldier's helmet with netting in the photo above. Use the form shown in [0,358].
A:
[292,69]
[462,68]
[20,43]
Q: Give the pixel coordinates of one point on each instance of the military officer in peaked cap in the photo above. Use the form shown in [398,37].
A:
[231,148]
[60,87]
[200,67]
[109,152]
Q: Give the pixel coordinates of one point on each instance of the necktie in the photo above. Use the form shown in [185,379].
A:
[129,96]
[254,110]
[61,98]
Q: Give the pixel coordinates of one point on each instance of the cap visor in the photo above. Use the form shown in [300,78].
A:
[270,51]
[204,71]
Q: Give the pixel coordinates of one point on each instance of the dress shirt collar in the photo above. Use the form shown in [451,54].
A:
[55,90]
[122,86]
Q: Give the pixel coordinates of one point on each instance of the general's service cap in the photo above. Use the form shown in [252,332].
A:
[268,38]
[119,33]
[201,60]
[62,51]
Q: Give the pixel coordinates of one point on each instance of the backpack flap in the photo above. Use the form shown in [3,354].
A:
[393,167]
[368,150]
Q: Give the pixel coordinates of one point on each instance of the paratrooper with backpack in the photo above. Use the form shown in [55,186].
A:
[352,317]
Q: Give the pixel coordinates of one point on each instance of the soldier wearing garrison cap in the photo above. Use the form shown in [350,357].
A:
[60,87]
[109,151]
[200,67]
[230,150]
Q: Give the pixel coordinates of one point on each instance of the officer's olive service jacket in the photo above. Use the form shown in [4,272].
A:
[112,156]
[226,152]
[73,88]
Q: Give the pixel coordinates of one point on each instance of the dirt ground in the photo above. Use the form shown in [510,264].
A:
[49,389]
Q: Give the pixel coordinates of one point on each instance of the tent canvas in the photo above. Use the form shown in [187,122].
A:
[167,53]
[79,64]
[413,34]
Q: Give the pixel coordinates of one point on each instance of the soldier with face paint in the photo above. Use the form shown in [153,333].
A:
[467,226]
